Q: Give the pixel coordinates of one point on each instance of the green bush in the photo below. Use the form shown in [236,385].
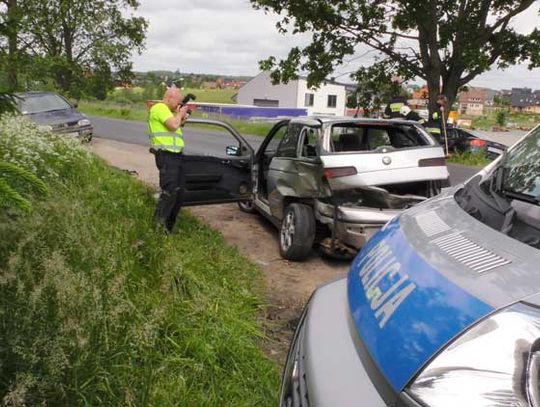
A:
[501,117]
[97,307]
[473,159]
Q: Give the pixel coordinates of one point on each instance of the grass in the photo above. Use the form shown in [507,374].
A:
[203,95]
[98,307]
[138,112]
[471,159]
[525,121]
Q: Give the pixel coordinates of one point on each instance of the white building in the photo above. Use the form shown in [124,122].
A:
[329,99]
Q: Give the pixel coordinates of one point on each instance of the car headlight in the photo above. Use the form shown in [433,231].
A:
[45,127]
[495,363]
[83,122]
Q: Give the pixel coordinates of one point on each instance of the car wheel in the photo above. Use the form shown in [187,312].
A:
[247,206]
[297,232]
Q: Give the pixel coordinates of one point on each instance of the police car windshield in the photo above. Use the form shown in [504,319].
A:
[521,169]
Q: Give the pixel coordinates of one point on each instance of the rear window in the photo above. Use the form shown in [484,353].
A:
[353,137]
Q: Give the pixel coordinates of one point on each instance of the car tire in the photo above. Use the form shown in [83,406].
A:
[297,232]
[247,206]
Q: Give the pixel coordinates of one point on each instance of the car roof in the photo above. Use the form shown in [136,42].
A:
[325,120]
[34,93]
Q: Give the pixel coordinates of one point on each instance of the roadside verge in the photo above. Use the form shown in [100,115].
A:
[100,308]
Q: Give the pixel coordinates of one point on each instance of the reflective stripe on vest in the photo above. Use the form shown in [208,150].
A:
[167,141]
[434,130]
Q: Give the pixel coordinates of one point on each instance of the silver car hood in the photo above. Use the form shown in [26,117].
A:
[491,266]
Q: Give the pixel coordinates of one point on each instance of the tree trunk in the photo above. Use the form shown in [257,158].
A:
[434,89]
[12,34]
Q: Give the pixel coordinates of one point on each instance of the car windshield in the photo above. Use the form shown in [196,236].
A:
[356,137]
[507,200]
[42,103]
[521,169]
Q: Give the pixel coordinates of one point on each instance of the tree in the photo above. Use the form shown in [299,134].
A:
[9,28]
[73,40]
[445,42]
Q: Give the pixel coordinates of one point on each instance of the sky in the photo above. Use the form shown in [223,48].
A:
[229,37]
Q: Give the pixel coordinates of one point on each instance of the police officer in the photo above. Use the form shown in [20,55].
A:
[435,122]
[393,107]
[165,121]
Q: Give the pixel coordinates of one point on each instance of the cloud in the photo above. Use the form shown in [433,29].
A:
[229,37]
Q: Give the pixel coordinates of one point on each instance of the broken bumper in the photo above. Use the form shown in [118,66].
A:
[354,225]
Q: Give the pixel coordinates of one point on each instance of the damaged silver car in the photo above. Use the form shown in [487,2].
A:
[330,182]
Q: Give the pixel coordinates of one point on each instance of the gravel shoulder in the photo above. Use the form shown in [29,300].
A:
[288,285]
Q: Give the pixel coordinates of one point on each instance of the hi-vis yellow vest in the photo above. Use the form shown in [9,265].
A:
[161,138]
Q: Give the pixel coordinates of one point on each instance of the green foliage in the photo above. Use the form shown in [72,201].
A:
[501,117]
[472,159]
[97,307]
[13,180]
[76,43]
[375,86]
[7,103]
[447,43]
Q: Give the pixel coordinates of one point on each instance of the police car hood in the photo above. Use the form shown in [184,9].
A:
[429,275]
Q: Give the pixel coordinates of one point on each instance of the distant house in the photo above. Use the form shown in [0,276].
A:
[419,100]
[472,101]
[524,100]
[329,99]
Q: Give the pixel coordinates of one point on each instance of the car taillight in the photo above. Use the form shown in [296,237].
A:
[337,172]
[432,162]
[477,143]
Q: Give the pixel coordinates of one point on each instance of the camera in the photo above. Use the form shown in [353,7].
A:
[189,97]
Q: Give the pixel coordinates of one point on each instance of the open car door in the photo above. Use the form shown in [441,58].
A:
[218,163]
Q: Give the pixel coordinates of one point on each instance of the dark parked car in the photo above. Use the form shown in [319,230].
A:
[52,112]
[461,141]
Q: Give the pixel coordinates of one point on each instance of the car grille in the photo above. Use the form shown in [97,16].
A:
[295,392]
[65,126]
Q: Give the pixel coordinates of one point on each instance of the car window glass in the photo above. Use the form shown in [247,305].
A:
[347,138]
[308,144]
[403,137]
[378,137]
[289,143]
[273,144]
[42,103]
[219,141]
[358,137]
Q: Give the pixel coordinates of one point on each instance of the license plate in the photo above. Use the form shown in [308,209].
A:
[72,134]
[495,150]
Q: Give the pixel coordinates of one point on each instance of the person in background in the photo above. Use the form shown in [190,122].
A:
[165,122]
[395,104]
[393,108]
[435,123]
[408,114]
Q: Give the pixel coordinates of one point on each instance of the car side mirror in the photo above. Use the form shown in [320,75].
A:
[232,150]
[75,105]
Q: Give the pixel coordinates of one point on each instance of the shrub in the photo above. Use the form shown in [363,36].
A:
[43,153]
[501,117]
[13,180]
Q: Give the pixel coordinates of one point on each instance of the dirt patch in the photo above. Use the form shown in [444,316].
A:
[288,284]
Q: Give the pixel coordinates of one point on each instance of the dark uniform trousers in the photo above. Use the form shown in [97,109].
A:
[172,182]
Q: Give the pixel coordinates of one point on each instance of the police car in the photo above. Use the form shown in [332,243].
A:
[440,308]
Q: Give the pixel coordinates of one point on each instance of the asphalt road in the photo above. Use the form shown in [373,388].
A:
[202,141]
